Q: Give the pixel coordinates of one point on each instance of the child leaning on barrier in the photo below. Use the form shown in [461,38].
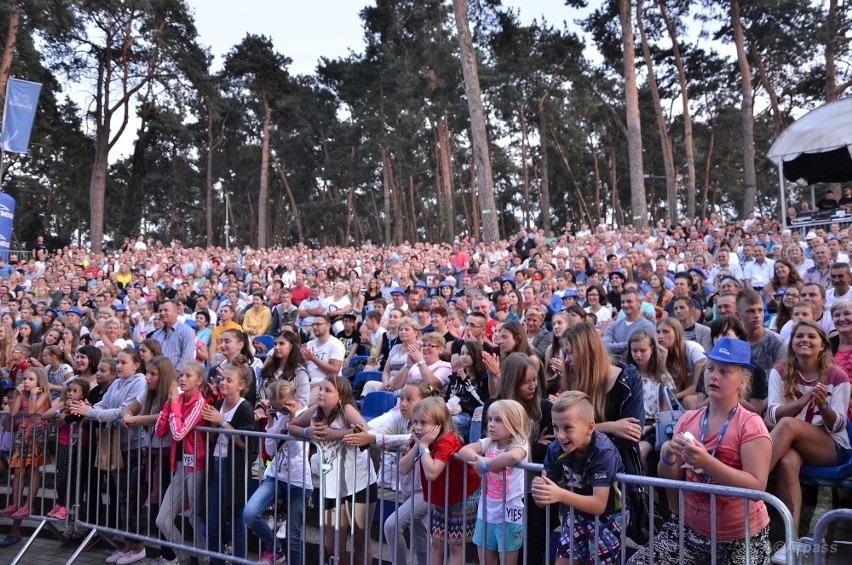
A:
[451,487]
[392,430]
[346,472]
[288,476]
[500,516]
[579,471]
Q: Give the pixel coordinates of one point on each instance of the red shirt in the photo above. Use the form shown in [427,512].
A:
[443,450]
[300,293]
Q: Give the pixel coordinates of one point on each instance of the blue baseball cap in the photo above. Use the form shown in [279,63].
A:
[570,293]
[733,352]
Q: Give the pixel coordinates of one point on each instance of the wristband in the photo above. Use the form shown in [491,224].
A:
[305,433]
[824,409]
[422,451]
[666,462]
[484,467]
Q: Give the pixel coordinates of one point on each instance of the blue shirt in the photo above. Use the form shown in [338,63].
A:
[178,343]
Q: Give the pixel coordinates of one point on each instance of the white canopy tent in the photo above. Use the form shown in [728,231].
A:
[815,148]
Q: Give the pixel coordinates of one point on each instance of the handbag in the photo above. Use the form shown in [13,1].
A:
[638,502]
[666,417]
[109,450]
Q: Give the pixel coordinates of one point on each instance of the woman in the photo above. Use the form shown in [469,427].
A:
[658,295]
[286,363]
[841,344]
[232,343]
[424,363]
[741,462]
[786,276]
[338,306]
[356,296]
[203,335]
[553,363]
[599,306]
[684,360]
[808,408]
[513,339]
[373,293]
[27,333]
[407,333]
[389,340]
[468,387]
[789,297]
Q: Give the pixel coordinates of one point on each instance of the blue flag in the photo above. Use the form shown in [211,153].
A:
[18,114]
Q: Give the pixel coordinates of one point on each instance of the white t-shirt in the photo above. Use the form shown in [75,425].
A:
[331,349]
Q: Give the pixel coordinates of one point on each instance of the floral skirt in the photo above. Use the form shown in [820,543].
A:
[28,454]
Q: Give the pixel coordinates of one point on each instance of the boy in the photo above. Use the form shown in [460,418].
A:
[579,471]
[349,336]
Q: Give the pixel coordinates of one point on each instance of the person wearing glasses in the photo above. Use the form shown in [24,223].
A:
[424,364]
[323,355]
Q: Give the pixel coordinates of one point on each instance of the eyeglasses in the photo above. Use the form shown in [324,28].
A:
[475,326]
[428,346]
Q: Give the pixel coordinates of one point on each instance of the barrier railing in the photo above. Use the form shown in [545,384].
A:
[820,546]
[124,486]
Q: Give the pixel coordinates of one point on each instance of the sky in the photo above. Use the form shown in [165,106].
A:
[305,31]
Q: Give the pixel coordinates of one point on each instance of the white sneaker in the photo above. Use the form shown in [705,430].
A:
[131,557]
[780,556]
[281,533]
[116,555]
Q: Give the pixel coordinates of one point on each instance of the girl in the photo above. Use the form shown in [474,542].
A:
[66,457]
[57,369]
[434,445]
[328,422]
[286,363]
[159,376]
[228,467]
[392,430]
[500,522]
[31,401]
[149,349]
[659,296]
[553,364]
[120,400]
[642,353]
[685,360]
[182,415]
[468,387]
[288,476]
[234,342]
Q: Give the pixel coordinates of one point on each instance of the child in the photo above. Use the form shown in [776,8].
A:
[31,401]
[328,422]
[500,522]
[389,431]
[227,478]
[643,354]
[57,369]
[182,415]
[288,475]
[579,471]
[69,451]
[20,362]
[436,443]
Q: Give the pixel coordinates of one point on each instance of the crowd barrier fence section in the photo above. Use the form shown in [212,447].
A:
[119,481]
[821,548]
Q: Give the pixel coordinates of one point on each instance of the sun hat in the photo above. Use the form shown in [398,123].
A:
[733,352]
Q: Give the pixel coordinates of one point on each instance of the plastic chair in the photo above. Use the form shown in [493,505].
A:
[268,342]
[835,477]
[476,425]
[357,359]
[362,350]
[365,376]
[377,403]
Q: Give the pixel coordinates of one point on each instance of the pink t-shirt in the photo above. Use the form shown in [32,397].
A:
[730,511]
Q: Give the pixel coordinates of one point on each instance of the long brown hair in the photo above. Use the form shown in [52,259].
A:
[513,372]
[590,363]
[344,392]
[676,360]
[156,399]
[791,364]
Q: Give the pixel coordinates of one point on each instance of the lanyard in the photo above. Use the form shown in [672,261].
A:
[722,430]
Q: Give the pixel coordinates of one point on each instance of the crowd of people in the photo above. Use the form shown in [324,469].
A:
[567,346]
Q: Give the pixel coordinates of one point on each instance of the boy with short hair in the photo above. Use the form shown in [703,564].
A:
[579,471]
[20,362]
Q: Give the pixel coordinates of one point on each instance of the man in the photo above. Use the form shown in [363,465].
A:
[616,284]
[483,306]
[767,347]
[299,291]
[323,355]
[397,301]
[759,271]
[618,333]
[349,335]
[685,309]
[474,330]
[371,334]
[796,256]
[820,272]
[537,334]
[309,309]
[723,262]
[176,338]
[815,294]
[840,288]
[726,305]
[202,302]
[828,202]
[285,313]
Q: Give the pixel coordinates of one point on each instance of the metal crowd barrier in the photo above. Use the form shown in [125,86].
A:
[113,499]
[820,547]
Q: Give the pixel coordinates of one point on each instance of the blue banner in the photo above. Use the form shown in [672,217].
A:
[18,114]
[7,217]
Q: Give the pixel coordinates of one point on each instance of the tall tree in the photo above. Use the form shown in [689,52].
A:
[638,202]
[749,172]
[255,66]
[479,138]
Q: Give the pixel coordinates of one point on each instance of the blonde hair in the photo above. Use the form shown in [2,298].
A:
[41,379]
[515,419]
[574,399]
[434,410]
[434,338]
[280,390]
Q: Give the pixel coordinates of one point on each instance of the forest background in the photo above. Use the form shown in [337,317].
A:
[377,145]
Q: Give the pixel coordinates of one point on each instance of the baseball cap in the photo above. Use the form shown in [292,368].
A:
[733,352]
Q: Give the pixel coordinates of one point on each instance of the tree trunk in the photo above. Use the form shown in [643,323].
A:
[689,142]
[294,207]
[474,201]
[749,172]
[208,209]
[596,167]
[708,162]
[662,125]
[770,90]
[525,172]
[386,185]
[263,195]
[544,185]
[612,165]
[444,160]
[9,49]
[638,202]
[479,138]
